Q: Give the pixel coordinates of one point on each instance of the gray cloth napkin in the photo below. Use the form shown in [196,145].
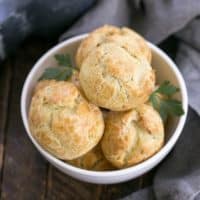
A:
[178,177]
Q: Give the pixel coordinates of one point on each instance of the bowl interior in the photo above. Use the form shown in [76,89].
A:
[160,62]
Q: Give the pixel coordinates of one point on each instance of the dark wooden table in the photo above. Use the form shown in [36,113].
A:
[24,173]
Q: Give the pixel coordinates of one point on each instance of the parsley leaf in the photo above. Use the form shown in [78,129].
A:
[174,107]
[61,73]
[161,100]
[63,60]
[57,73]
[167,88]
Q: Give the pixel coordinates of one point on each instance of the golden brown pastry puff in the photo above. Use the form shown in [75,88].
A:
[93,160]
[133,136]
[129,40]
[63,122]
[113,79]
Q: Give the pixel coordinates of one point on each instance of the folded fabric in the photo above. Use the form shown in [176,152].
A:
[41,18]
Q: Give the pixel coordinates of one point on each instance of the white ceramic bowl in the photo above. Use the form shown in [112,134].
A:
[165,70]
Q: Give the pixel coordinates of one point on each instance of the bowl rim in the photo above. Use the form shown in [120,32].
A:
[119,172]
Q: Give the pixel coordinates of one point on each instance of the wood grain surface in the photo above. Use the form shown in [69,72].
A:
[24,174]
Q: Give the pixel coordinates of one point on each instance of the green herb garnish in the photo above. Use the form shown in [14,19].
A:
[63,60]
[61,73]
[161,100]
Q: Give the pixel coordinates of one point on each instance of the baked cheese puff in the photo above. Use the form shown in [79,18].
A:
[113,79]
[133,136]
[63,121]
[93,160]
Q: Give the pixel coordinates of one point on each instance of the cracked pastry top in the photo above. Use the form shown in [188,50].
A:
[114,79]
[63,121]
[133,136]
[126,38]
